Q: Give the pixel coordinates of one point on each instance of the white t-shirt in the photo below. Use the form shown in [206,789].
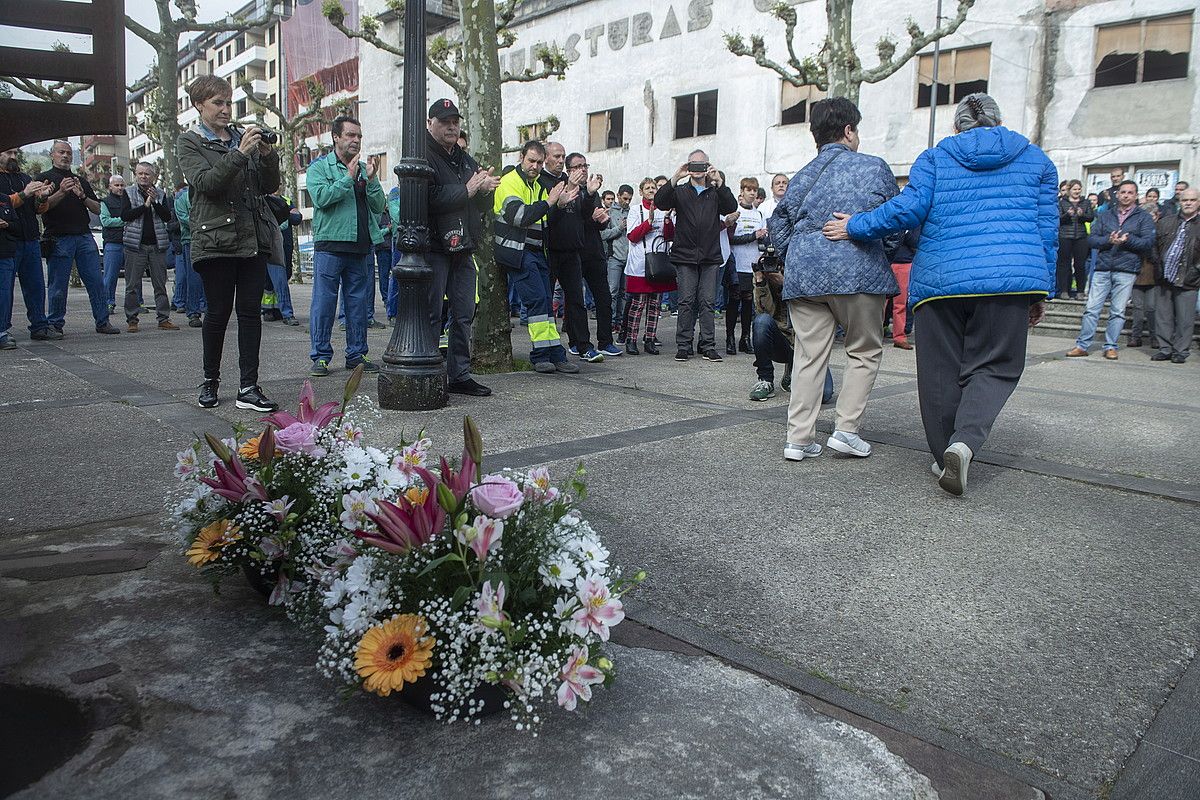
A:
[744,255]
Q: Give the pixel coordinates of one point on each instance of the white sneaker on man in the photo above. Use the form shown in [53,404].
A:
[849,444]
[799,452]
[957,459]
[936,470]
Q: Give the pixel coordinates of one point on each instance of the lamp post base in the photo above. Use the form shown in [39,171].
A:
[418,388]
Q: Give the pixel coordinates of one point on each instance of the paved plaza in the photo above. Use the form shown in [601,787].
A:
[835,628]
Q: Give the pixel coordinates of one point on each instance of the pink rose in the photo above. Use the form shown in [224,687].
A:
[497,496]
[299,437]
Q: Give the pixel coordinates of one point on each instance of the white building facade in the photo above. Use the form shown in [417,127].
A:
[1096,84]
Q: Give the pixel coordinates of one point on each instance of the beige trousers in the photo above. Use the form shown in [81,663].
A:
[814,319]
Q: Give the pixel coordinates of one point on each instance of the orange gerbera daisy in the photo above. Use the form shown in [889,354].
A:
[249,448]
[208,543]
[394,653]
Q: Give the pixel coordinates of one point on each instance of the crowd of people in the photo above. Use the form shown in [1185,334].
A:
[960,263]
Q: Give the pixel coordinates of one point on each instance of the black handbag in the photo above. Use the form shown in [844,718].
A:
[659,268]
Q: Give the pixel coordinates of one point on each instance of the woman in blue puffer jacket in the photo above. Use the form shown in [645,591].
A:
[986,202]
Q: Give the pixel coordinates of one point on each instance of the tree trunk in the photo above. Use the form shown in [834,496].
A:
[840,57]
[166,111]
[480,73]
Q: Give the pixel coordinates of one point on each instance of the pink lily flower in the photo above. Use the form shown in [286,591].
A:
[405,525]
[318,418]
[233,483]
[598,610]
[490,606]
[484,536]
[459,482]
[578,679]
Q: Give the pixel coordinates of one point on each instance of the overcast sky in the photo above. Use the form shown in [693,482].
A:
[139,56]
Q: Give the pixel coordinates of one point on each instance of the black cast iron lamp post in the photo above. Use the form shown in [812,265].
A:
[413,374]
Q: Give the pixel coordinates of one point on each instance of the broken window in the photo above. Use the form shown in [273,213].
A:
[795,102]
[606,129]
[696,114]
[1143,51]
[960,73]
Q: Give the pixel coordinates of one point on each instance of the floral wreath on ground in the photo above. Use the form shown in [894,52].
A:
[470,590]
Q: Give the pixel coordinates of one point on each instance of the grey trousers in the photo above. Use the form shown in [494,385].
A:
[1141,312]
[453,282]
[696,291]
[137,263]
[970,355]
[1175,317]
[616,287]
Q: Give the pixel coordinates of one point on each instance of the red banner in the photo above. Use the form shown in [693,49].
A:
[313,48]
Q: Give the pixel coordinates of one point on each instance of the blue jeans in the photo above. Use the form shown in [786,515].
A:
[179,298]
[392,293]
[380,262]
[771,347]
[351,273]
[80,248]
[114,262]
[27,268]
[1114,287]
[532,286]
[283,295]
[194,300]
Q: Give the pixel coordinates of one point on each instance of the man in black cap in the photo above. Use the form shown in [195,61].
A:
[461,193]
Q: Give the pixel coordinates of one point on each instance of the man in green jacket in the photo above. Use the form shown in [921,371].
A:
[347,199]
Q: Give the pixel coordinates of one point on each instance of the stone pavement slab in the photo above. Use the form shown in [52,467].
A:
[1011,618]
[203,695]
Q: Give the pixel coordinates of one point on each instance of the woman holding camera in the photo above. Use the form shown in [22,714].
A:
[229,171]
[647,228]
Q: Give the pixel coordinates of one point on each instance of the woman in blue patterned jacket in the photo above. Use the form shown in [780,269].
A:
[987,201]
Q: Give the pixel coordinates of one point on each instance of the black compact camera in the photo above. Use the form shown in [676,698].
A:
[698,166]
[268,136]
[769,260]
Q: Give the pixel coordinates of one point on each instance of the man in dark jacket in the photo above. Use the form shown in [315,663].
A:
[1123,234]
[146,212]
[460,194]
[23,194]
[1176,259]
[699,206]
[565,244]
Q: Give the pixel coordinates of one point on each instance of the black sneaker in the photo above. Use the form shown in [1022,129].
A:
[291,321]
[253,399]
[320,368]
[683,354]
[369,366]
[469,386]
[712,355]
[106,328]
[208,394]
[194,321]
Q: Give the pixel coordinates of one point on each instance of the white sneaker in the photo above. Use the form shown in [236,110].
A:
[936,470]
[957,459]
[799,452]
[848,443]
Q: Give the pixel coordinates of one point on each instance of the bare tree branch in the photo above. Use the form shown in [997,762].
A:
[145,83]
[59,92]
[151,38]
[230,24]
[805,73]
[370,34]
[919,40]
[554,65]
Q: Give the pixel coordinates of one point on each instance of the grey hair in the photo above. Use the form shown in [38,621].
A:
[153,167]
[977,110]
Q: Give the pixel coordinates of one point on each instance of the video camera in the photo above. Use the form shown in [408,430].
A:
[769,260]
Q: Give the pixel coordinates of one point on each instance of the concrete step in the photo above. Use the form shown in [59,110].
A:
[1063,318]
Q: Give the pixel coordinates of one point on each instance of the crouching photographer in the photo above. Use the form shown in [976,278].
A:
[229,171]
[774,340]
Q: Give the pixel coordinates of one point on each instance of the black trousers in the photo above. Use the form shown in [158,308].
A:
[595,274]
[233,284]
[1072,259]
[739,303]
[566,268]
[970,355]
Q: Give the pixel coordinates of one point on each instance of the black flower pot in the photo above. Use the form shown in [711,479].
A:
[417,695]
[263,584]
